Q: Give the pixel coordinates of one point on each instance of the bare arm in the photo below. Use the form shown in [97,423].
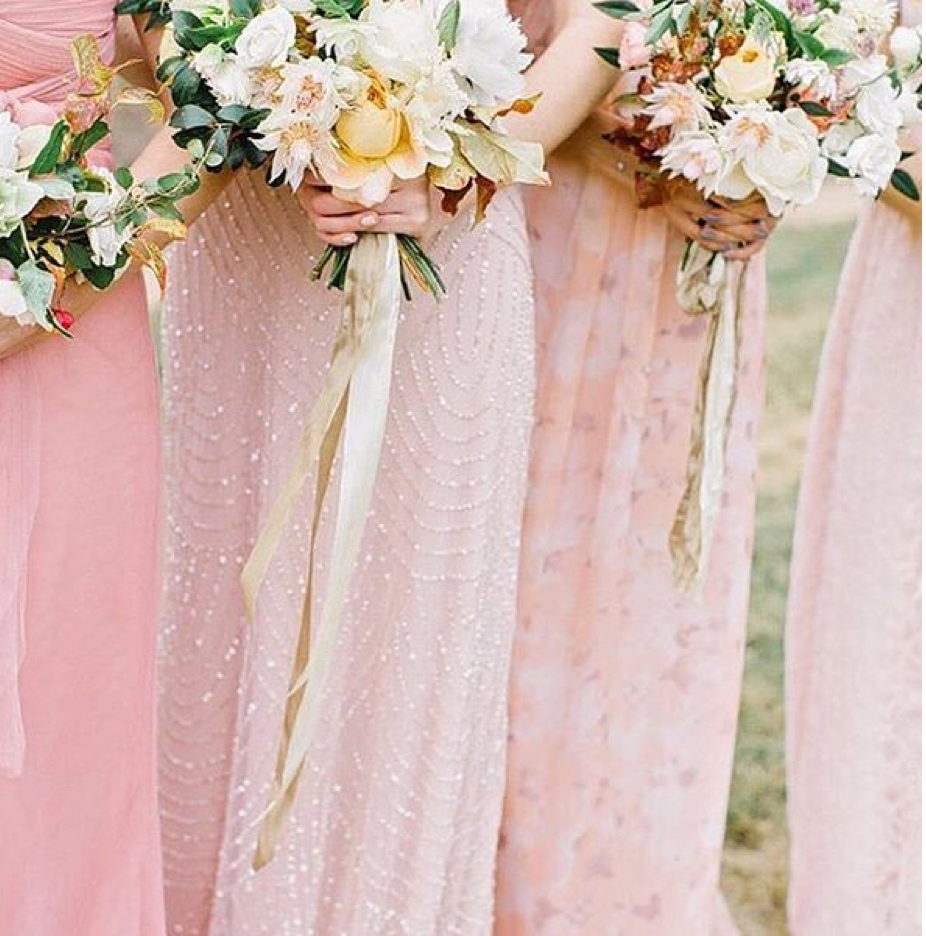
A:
[570,77]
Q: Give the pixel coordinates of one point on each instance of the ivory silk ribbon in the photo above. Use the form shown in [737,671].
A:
[707,285]
[354,401]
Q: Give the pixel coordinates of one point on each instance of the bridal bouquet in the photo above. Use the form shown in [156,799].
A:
[358,94]
[59,215]
[745,98]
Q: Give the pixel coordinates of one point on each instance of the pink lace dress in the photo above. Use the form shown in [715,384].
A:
[396,825]
[625,693]
[79,843]
[854,645]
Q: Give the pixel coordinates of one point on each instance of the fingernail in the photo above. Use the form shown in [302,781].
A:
[713,217]
[348,238]
[369,220]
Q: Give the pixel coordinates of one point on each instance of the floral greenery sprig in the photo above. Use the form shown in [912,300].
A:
[358,92]
[60,216]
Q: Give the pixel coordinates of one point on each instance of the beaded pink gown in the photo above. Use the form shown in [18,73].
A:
[79,842]
[854,644]
[624,692]
[396,824]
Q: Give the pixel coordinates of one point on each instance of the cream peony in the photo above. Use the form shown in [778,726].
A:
[267,39]
[747,76]
[400,40]
[778,152]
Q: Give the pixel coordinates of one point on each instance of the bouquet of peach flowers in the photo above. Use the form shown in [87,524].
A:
[747,98]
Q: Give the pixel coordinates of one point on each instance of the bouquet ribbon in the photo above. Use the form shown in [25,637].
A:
[707,284]
[353,403]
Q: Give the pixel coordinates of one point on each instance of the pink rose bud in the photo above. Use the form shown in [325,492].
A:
[32,113]
[634,52]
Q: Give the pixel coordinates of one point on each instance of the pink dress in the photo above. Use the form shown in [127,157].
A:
[624,693]
[853,631]
[79,848]
[396,825]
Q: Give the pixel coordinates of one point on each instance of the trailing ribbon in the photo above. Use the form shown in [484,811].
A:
[354,401]
[707,285]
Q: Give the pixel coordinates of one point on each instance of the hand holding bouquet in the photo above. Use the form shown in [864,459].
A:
[746,99]
[359,95]
[62,217]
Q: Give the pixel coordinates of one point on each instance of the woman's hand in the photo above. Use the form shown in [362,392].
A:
[412,208]
[738,230]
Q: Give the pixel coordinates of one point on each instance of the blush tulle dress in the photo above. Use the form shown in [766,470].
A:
[395,829]
[854,645]
[624,692]
[79,843]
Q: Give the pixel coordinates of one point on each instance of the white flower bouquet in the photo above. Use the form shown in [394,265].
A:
[357,93]
[745,98]
[61,216]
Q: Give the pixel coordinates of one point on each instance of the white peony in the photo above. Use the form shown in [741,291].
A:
[840,137]
[871,160]
[398,39]
[838,32]
[267,39]
[226,77]
[9,138]
[18,196]
[873,17]
[490,54]
[877,108]
[778,152]
[106,240]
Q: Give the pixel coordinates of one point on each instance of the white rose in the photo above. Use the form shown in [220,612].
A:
[871,160]
[779,153]
[9,137]
[907,46]
[747,76]
[18,196]
[224,74]
[267,39]
[877,108]
[862,71]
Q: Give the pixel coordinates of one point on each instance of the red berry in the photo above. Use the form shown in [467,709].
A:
[63,318]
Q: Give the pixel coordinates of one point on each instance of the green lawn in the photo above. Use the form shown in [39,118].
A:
[805,262]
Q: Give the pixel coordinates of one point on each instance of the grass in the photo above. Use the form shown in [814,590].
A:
[805,260]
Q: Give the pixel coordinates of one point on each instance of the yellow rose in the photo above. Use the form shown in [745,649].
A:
[370,130]
[747,76]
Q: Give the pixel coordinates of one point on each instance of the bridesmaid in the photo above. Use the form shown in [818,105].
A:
[853,639]
[625,692]
[80,850]
[79,853]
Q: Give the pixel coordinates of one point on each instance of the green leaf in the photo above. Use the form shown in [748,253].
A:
[905,184]
[185,84]
[100,277]
[172,181]
[809,44]
[245,9]
[611,56]
[38,287]
[619,9]
[124,177]
[77,255]
[838,169]
[835,57]
[50,153]
[191,117]
[814,109]
[448,25]
[84,142]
